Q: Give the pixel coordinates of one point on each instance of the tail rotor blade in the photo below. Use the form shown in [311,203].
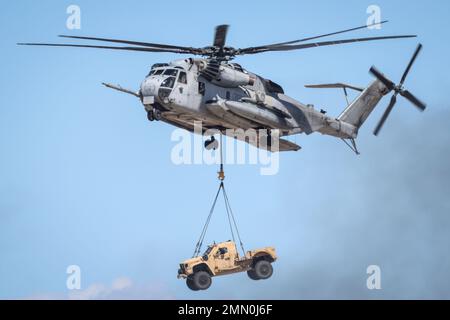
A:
[385,115]
[405,74]
[388,83]
[415,101]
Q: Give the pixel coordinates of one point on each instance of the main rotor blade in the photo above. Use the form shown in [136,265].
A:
[388,83]
[313,38]
[324,43]
[136,43]
[415,101]
[385,115]
[220,36]
[104,47]
[405,74]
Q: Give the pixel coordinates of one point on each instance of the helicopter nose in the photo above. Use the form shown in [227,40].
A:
[149,87]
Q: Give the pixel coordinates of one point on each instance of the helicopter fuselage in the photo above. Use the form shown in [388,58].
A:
[184,92]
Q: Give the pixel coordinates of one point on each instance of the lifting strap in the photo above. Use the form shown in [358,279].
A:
[231,219]
[231,215]
[198,247]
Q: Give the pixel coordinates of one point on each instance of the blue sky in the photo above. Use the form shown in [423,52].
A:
[85,179]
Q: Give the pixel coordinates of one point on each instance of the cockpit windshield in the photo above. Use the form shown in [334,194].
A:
[166,72]
[154,72]
[171,72]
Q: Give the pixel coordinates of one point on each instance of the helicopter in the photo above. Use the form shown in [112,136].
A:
[209,88]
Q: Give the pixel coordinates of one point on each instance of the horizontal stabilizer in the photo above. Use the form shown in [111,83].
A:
[334,85]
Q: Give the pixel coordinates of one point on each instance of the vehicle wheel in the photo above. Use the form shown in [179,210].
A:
[157,114]
[150,115]
[252,274]
[263,269]
[190,284]
[202,280]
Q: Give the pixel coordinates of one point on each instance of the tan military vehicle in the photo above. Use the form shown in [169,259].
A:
[223,259]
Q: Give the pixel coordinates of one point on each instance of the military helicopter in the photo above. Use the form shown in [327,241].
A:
[222,95]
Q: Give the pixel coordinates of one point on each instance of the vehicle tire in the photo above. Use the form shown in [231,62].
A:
[252,274]
[150,116]
[263,269]
[191,285]
[202,280]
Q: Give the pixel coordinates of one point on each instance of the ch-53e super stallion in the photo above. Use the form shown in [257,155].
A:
[224,96]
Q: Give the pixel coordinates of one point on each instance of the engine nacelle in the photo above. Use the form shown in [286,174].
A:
[230,78]
[223,75]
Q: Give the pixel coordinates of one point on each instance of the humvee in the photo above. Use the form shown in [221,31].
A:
[223,259]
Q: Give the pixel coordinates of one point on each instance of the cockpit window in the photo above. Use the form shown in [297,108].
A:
[168,83]
[182,77]
[171,72]
[160,65]
[151,73]
[158,72]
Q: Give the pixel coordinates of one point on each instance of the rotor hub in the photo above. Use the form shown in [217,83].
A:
[399,88]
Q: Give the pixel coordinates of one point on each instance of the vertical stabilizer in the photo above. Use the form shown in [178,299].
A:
[358,111]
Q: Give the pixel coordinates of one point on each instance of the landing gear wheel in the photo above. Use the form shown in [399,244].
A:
[263,269]
[252,274]
[150,116]
[202,280]
[190,284]
[157,114]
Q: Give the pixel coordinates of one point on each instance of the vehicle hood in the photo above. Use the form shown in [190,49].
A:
[193,260]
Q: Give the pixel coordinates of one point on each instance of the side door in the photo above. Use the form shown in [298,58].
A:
[224,259]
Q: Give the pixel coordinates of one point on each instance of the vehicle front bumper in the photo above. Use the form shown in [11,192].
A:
[181,274]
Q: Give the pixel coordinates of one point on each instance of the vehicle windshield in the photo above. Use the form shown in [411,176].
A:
[208,251]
